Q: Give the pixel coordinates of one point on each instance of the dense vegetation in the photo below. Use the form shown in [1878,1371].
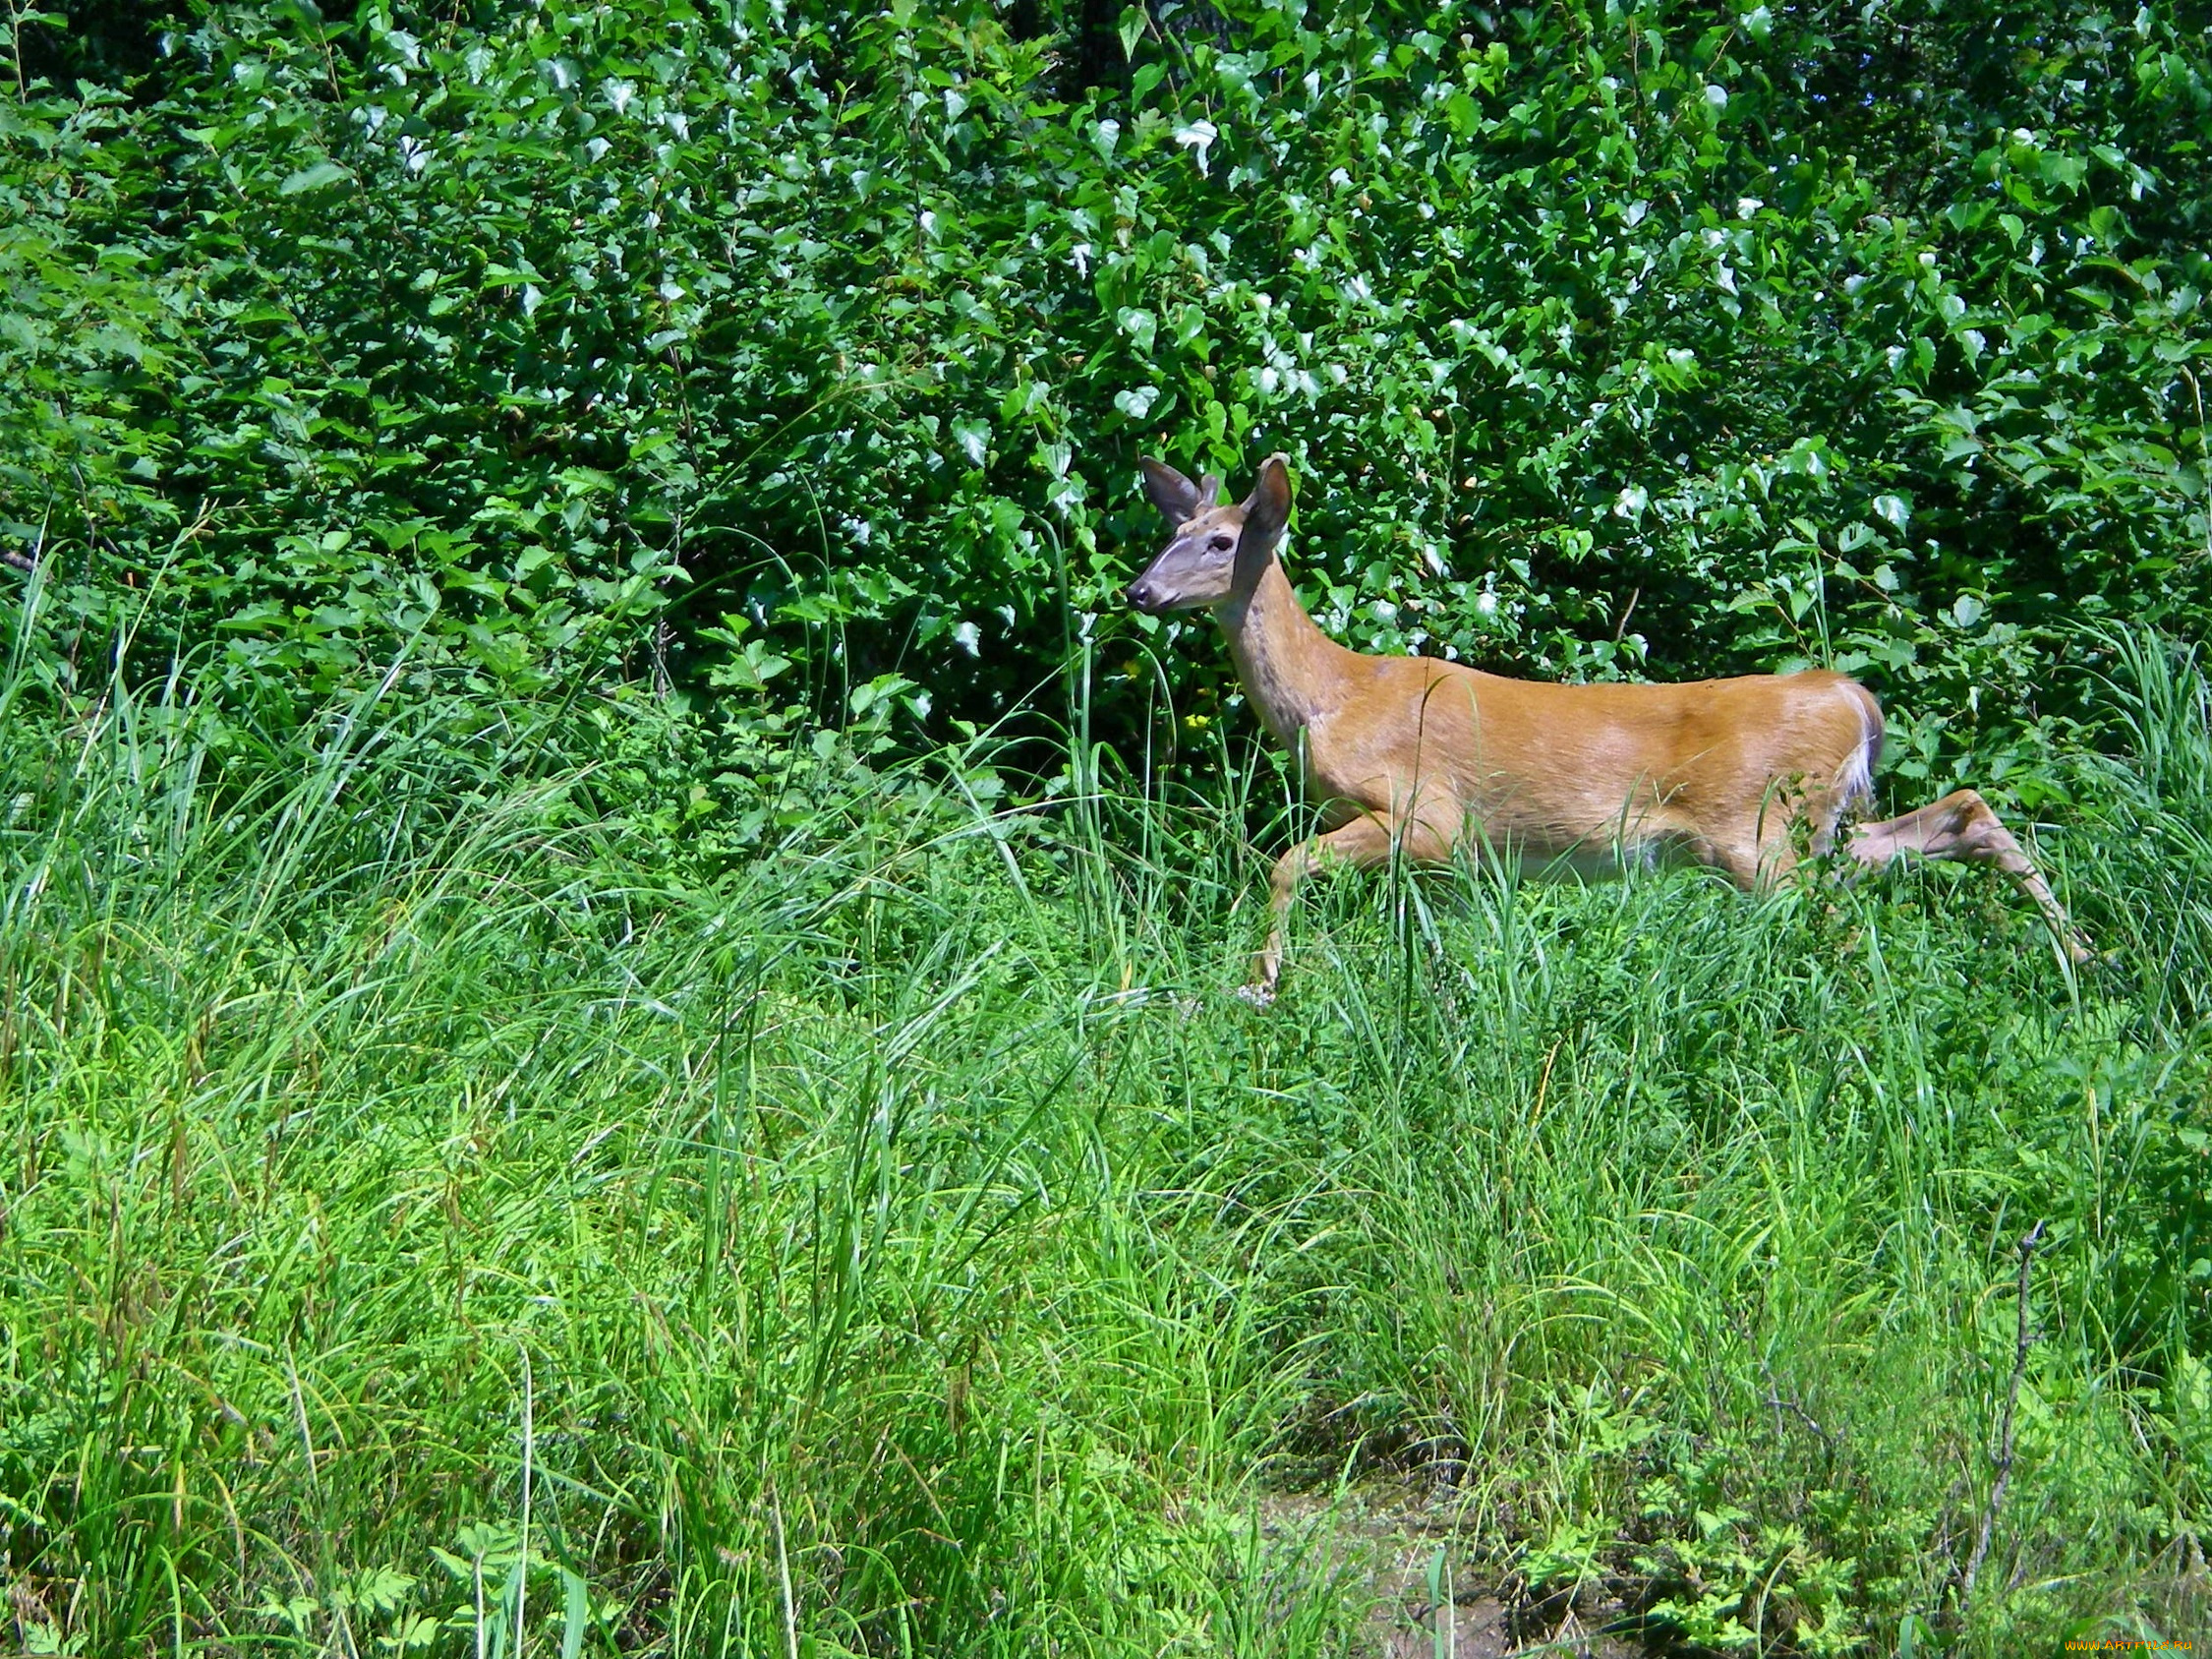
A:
[613,957]
[693,341]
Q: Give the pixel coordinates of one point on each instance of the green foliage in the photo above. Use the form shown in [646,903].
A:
[1655,339]
[562,1097]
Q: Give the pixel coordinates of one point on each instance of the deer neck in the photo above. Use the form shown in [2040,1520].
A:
[1294,673]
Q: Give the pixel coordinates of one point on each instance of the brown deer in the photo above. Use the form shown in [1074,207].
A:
[1419,756]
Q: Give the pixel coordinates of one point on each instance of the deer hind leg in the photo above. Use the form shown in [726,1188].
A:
[1963,827]
[1760,852]
[1364,843]
[1752,855]
[1740,859]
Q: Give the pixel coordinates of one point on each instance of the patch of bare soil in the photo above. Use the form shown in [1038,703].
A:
[1486,1611]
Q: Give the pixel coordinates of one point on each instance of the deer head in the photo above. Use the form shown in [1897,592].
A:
[1218,552]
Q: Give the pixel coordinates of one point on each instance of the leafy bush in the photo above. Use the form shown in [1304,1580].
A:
[1668,339]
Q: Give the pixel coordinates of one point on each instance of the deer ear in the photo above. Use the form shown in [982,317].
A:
[1267,507]
[1174,494]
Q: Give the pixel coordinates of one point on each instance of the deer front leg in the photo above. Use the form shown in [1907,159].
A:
[1364,843]
[1962,826]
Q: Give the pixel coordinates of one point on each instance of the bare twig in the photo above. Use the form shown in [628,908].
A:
[2204,447]
[2024,1341]
[15,31]
[1777,1404]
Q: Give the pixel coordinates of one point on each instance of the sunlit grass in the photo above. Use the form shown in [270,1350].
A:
[433,1208]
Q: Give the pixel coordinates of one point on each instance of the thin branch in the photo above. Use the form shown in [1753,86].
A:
[2204,447]
[2024,1341]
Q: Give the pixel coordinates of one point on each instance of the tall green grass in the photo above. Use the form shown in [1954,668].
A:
[443,1216]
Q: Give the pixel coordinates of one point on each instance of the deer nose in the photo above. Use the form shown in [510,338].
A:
[1140,594]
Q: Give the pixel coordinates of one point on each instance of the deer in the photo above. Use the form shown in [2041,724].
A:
[1419,757]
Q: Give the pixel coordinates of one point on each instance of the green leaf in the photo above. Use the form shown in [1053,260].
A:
[1132,30]
[974,440]
[575,1614]
[323,173]
[1137,401]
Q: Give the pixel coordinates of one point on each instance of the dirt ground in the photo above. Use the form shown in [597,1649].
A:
[1487,1616]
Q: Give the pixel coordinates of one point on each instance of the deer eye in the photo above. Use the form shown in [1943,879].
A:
[1219,544]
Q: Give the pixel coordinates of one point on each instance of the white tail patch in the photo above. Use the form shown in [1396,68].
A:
[1854,779]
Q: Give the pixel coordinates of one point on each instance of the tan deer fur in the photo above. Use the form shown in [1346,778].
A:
[1421,756]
